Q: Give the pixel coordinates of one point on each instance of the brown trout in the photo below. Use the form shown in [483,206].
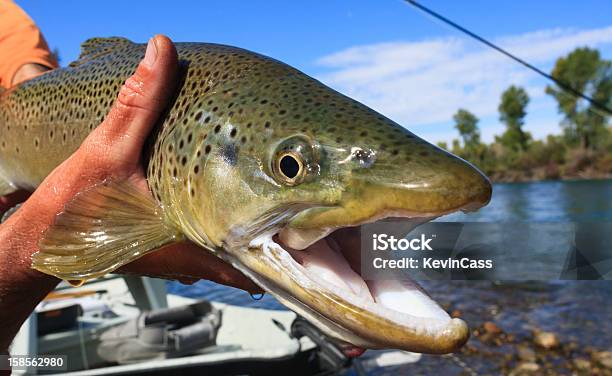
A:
[255,162]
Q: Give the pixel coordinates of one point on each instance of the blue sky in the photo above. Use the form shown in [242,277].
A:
[384,53]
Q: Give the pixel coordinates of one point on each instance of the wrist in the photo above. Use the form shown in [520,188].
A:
[21,287]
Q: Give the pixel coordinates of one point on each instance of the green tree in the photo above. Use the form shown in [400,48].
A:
[443,145]
[512,111]
[584,70]
[467,125]
[473,150]
[456,149]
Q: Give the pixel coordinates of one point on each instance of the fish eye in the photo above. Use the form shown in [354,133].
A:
[290,168]
[294,160]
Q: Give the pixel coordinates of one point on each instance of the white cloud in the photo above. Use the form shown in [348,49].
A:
[421,84]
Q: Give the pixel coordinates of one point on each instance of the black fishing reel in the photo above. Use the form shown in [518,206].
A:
[328,358]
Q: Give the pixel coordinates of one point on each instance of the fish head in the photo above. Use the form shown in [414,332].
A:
[314,165]
[393,173]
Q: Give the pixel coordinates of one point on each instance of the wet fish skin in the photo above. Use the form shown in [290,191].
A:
[213,162]
[234,106]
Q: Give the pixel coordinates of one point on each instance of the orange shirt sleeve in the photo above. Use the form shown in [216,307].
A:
[20,42]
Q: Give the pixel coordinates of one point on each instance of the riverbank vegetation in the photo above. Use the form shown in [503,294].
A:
[582,150]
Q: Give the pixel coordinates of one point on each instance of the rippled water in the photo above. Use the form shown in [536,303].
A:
[549,201]
[579,312]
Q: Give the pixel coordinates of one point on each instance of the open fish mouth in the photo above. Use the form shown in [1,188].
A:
[322,282]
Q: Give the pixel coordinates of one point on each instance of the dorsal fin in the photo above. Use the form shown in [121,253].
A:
[96,47]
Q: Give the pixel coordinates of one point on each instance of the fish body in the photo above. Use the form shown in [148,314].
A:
[255,162]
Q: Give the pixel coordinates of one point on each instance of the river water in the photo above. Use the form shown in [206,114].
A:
[579,313]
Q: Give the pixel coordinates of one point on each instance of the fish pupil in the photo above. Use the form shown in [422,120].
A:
[289,166]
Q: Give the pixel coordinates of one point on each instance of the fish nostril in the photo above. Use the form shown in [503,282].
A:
[365,158]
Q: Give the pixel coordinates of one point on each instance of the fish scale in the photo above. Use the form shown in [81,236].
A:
[249,151]
[230,97]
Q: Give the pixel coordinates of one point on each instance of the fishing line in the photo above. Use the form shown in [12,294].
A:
[561,84]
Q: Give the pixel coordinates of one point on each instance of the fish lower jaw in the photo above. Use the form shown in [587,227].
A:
[321,284]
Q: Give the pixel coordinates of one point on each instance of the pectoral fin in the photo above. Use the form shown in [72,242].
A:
[102,229]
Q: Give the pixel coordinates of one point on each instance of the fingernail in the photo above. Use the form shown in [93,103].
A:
[150,54]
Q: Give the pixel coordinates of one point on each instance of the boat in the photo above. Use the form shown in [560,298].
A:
[120,325]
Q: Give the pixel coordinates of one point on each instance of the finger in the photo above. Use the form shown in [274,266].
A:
[194,263]
[141,100]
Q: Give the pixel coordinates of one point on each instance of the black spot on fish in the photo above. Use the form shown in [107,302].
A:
[229,153]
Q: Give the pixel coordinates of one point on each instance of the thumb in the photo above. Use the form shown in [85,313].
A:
[141,100]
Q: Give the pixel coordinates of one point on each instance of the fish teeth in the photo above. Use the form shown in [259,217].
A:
[301,239]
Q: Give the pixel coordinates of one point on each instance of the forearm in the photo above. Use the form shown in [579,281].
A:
[27,71]
[21,287]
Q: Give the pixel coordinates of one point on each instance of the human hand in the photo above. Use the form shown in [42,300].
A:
[113,151]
